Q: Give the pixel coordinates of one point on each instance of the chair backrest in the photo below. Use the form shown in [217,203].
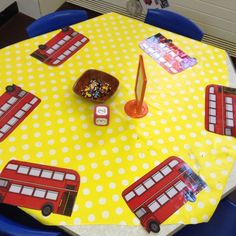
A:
[221,223]
[10,227]
[174,22]
[55,20]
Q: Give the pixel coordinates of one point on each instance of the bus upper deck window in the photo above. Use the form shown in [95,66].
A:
[211,89]
[166,170]
[12,167]
[58,175]
[148,183]
[157,177]
[23,170]
[35,172]
[140,189]
[46,174]
[129,196]
[70,177]
[173,163]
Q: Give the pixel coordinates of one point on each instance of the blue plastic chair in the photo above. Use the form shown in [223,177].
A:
[174,22]
[223,222]
[55,20]
[15,222]
[11,228]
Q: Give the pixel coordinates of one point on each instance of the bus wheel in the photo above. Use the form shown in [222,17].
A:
[154,226]
[47,210]
[42,46]
[10,88]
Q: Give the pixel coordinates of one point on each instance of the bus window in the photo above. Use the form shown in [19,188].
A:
[46,174]
[27,190]
[15,188]
[173,163]
[39,193]
[148,183]
[129,196]
[157,177]
[52,195]
[180,185]
[153,206]
[171,192]
[162,199]
[70,177]
[139,190]
[12,167]
[58,176]
[23,170]
[166,170]
[140,212]
[211,89]
[3,183]
[35,172]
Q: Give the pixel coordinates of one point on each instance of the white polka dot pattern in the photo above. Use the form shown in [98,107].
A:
[60,131]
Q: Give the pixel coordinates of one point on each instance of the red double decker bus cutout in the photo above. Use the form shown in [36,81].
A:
[220,110]
[40,187]
[15,105]
[61,47]
[162,191]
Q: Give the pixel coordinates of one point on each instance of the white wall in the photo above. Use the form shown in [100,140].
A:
[121,3]
[4,4]
[48,6]
[37,8]
[29,7]
[215,17]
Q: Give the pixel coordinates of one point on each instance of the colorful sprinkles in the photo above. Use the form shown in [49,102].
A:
[96,89]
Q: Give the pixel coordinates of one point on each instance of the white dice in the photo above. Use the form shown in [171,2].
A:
[101,115]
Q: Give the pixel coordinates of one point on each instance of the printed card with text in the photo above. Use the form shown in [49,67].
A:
[167,54]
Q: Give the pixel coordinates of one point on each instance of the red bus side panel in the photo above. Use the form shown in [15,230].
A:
[39,187]
[162,191]
[220,110]
[61,47]
[15,105]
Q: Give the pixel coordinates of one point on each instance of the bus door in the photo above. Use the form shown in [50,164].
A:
[3,189]
[67,203]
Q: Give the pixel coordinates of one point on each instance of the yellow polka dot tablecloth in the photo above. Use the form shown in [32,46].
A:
[60,131]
